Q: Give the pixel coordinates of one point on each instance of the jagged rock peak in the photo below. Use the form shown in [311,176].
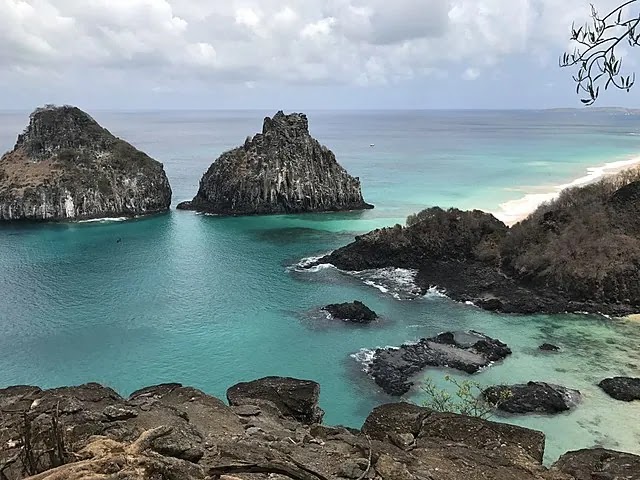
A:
[52,128]
[281,170]
[65,166]
[295,124]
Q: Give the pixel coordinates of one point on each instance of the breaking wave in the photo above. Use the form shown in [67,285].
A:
[400,283]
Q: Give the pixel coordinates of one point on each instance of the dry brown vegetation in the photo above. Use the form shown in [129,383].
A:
[584,244]
[17,172]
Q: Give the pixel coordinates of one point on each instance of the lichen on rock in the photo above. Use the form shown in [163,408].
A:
[65,166]
[281,170]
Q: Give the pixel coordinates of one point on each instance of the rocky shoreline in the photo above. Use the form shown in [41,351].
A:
[271,428]
[537,266]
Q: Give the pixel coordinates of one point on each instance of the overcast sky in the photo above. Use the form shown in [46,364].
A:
[130,54]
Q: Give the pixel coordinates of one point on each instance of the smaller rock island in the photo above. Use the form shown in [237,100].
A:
[279,171]
[66,167]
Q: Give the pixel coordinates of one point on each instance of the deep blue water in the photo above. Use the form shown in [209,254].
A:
[210,301]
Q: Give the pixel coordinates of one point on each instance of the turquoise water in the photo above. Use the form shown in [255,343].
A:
[210,301]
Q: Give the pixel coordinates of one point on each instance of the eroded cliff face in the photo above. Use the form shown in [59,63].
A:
[65,166]
[281,170]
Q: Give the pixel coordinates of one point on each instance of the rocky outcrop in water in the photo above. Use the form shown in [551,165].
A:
[532,397]
[67,167]
[626,389]
[355,312]
[548,347]
[599,464]
[580,253]
[281,170]
[393,368]
[171,432]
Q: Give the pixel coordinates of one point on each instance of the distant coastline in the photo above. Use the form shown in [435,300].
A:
[514,211]
[616,110]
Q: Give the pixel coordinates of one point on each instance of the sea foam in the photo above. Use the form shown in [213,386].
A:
[400,283]
[105,220]
[513,211]
[304,265]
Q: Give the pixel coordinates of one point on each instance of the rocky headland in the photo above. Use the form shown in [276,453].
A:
[579,253]
[281,170]
[66,167]
[393,368]
[271,430]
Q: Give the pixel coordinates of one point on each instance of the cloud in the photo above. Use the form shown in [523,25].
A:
[349,42]
[471,73]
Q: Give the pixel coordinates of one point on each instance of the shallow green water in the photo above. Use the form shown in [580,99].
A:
[212,301]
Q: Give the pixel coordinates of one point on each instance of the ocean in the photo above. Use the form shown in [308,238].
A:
[210,301]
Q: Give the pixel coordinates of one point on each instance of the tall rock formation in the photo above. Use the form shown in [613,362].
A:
[281,170]
[65,166]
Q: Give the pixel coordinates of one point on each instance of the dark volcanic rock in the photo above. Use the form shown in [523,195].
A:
[626,389]
[535,266]
[392,368]
[387,421]
[533,397]
[294,398]
[599,464]
[67,167]
[356,312]
[281,170]
[548,347]
[171,432]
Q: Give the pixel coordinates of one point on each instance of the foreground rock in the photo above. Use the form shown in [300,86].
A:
[535,266]
[294,398]
[67,167]
[281,170]
[533,397]
[356,312]
[393,368]
[171,432]
[626,389]
[599,463]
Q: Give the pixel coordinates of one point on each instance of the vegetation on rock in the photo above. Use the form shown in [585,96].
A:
[580,252]
[65,166]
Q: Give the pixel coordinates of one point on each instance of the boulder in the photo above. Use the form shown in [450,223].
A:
[355,312]
[626,389]
[390,421]
[392,368]
[599,464]
[294,398]
[281,170]
[533,397]
[66,167]
[548,347]
[395,419]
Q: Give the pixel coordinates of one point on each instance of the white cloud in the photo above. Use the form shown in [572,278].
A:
[361,42]
[471,73]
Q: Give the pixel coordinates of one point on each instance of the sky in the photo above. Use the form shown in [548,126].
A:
[292,54]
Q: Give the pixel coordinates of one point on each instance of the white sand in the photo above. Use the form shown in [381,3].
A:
[513,211]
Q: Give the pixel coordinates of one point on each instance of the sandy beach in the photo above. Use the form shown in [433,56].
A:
[514,211]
